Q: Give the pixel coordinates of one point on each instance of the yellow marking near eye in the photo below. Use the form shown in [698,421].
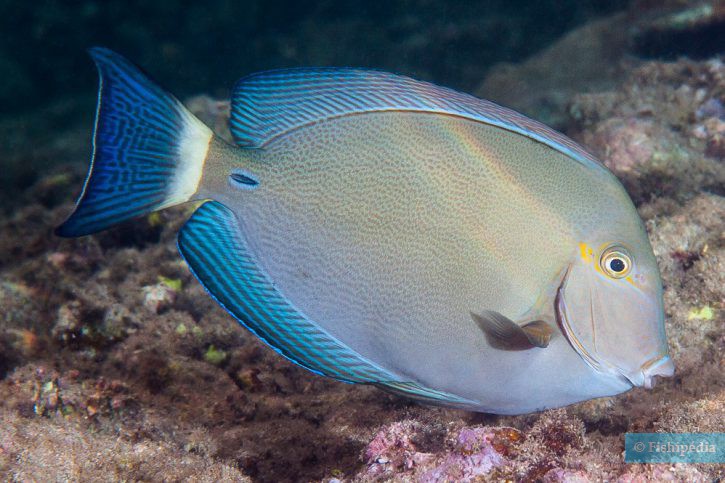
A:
[599,270]
[587,253]
[631,281]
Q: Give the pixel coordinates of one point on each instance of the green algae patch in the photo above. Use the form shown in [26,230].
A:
[154,219]
[215,356]
[704,313]
[172,283]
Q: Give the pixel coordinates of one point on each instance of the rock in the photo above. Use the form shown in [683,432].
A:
[594,57]
[474,456]
[213,112]
[673,29]
[471,454]
[647,133]
[587,59]
[158,297]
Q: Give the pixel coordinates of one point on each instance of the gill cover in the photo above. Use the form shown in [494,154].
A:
[615,324]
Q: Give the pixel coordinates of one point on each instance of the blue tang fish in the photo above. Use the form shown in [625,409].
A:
[380,230]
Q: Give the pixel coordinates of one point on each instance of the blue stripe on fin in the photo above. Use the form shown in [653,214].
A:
[427,395]
[212,245]
[269,104]
[145,149]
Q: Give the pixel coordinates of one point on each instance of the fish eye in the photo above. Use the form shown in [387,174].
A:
[616,262]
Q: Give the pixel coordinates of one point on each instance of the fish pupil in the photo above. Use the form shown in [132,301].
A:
[617,265]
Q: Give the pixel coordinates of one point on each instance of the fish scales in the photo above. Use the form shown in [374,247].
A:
[364,205]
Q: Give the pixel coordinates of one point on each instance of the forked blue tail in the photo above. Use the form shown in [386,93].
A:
[148,150]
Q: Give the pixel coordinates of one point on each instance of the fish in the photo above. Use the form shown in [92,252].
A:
[380,230]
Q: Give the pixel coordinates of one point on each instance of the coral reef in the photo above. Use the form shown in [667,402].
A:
[661,132]
[114,362]
[597,55]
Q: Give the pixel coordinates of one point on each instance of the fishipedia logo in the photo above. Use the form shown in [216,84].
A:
[674,448]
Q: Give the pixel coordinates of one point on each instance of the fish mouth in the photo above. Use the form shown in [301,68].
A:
[659,367]
[562,320]
[599,366]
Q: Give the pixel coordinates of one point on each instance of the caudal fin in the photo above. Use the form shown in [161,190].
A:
[148,150]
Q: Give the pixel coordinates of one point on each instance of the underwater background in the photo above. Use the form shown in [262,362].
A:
[115,364]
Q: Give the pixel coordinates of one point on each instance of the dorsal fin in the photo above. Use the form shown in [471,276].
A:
[269,104]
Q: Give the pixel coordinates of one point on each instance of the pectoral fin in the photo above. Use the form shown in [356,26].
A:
[504,333]
[538,332]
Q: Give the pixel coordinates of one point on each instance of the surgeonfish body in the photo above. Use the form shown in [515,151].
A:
[380,230]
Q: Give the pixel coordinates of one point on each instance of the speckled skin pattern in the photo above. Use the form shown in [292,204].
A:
[388,229]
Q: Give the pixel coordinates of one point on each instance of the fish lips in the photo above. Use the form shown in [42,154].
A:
[658,367]
[584,340]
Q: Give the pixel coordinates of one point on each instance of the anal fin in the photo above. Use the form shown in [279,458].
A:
[212,244]
[426,395]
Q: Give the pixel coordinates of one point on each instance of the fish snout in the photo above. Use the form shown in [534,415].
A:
[662,367]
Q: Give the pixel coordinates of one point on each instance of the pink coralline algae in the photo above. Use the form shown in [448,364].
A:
[471,453]
[473,456]
[712,131]
[663,138]
[628,144]
[393,450]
